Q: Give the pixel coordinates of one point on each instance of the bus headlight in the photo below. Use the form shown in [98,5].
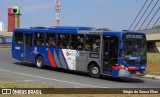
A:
[122,66]
[126,68]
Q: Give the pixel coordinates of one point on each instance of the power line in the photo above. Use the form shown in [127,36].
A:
[148,14]
[143,14]
[156,22]
[138,14]
[152,17]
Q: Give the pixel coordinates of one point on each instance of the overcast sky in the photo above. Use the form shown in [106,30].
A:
[112,14]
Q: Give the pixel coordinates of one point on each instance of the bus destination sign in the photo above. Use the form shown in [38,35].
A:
[134,36]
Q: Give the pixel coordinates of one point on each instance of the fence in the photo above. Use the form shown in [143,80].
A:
[6,40]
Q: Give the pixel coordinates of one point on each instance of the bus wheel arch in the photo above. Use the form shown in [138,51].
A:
[94,70]
[39,61]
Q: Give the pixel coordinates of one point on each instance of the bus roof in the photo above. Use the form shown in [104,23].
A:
[71,29]
[56,28]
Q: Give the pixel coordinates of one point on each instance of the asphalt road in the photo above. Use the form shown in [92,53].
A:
[14,71]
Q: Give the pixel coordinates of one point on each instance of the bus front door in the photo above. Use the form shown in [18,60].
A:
[110,51]
[27,47]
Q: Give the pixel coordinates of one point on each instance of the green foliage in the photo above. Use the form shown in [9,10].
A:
[153,78]
[103,29]
[157,26]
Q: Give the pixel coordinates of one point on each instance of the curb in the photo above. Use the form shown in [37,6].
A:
[5,45]
[154,77]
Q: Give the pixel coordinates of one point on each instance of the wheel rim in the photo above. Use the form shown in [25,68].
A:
[95,70]
[39,62]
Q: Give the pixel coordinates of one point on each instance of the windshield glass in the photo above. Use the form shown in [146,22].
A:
[134,51]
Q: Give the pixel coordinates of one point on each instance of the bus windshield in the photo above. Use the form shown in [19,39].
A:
[134,51]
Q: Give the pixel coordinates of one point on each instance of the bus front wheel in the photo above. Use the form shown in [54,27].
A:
[94,71]
[39,62]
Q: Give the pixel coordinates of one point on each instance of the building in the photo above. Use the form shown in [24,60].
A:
[1,27]
[13,18]
[153,39]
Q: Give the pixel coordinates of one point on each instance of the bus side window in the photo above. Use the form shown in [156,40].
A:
[92,43]
[39,39]
[50,40]
[18,37]
[64,41]
[77,42]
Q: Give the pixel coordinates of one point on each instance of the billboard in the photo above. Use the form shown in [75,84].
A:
[13,18]
[1,26]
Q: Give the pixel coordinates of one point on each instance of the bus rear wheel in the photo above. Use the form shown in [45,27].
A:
[94,71]
[39,62]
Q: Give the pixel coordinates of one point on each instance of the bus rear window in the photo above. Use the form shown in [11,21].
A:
[18,37]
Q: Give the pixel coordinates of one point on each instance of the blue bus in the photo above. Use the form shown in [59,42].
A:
[85,49]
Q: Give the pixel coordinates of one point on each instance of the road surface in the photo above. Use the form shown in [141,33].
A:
[12,70]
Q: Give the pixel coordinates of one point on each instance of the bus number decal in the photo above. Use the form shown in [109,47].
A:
[94,55]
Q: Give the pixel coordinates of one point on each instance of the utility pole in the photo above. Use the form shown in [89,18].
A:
[57,8]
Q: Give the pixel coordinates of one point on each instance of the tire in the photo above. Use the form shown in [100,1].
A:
[39,62]
[94,71]
[117,78]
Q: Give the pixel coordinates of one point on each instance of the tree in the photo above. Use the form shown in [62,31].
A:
[157,26]
[103,29]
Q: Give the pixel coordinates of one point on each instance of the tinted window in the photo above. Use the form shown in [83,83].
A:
[39,39]
[77,42]
[64,41]
[50,40]
[18,37]
[92,43]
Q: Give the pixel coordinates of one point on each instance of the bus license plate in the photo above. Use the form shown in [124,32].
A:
[138,73]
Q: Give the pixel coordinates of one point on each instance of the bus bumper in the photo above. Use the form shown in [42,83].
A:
[125,73]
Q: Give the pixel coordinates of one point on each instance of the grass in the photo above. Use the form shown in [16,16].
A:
[153,58]
[153,78]
[153,64]
[18,85]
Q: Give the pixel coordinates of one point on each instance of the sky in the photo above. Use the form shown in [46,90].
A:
[112,14]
